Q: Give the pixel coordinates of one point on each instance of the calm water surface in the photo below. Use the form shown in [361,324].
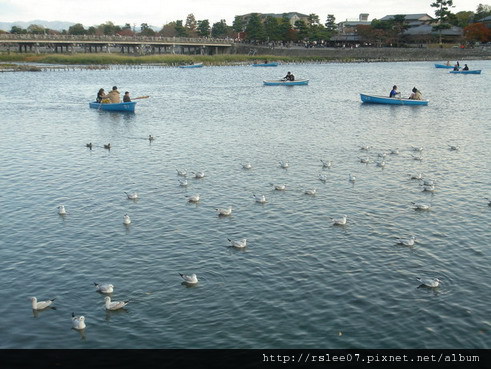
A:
[301,282]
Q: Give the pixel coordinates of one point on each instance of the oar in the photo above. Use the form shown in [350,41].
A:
[140,97]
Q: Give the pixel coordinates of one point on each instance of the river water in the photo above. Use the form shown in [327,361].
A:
[300,282]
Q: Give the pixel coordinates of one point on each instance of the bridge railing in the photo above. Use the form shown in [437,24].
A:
[116,38]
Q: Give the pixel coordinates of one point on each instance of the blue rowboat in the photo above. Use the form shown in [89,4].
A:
[477,71]
[125,106]
[272,64]
[197,65]
[374,99]
[280,82]
[444,66]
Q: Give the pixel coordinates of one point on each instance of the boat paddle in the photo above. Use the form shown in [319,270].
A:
[140,97]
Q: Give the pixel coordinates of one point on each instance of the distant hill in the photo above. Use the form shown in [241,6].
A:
[54,25]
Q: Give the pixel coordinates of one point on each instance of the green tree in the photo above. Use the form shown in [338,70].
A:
[145,30]
[180,29]
[302,29]
[18,30]
[461,19]
[313,19]
[272,28]
[219,29]
[239,24]
[191,23]
[482,11]
[442,14]
[109,28]
[330,24]
[204,28]
[77,29]
[285,29]
[255,29]
[36,29]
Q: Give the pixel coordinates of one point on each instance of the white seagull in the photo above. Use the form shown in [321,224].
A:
[114,305]
[394,151]
[365,148]
[193,198]
[260,199]
[189,279]
[183,182]
[420,158]
[429,188]
[421,205]
[132,196]
[104,287]
[323,178]
[340,221]
[326,164]
[279,187]
[224,211]
[182,173]
[454,147]
[351,178]
[430,282]
[365,160]
[78,322]
[240,244]
[126,219]
[40,305]
[428,182]
[198,175]
[382,154]
[311,191]
[246,165]
[284,164]
[407,241]
[417,148]
[62,210]
[380,164]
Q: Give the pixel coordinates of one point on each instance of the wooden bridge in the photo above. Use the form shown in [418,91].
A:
[139,45]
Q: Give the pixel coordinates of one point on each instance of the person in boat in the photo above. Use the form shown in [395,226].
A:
[416,94]
[448,63]
[289,77]
[126,97]
[394,92]
[465,67]
[101,96]
[114,96]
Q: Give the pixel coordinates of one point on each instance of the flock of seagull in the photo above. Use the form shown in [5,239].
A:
[428,185]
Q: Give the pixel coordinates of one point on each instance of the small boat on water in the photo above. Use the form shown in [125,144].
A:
[374,99]
[476,71]
[196,65]
[271,64]
[280,82]
[444,66]
[124,106]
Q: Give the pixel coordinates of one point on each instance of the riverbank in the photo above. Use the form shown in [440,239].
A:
[244,55]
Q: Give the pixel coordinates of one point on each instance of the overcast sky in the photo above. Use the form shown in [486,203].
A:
[160,12]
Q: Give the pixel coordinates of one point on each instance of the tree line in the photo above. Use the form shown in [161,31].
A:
[259,28]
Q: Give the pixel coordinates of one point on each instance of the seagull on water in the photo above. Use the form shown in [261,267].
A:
[193,198]
[454,147]
[40,305]
[421,205]
[326,164]
[126,219]
[198,175]
[380,164]
[240,244]
[351,178]
[260,199]
[428,182]
[89,145]
[224,211]
[62,210]
[114,305]
[394,151]
[323,178]
[417,148]
[104,287]
[429,188]
[310,191]
[189,279]
[489,201]
[182,173]
[284,164]
[183,182]
[132,196]
[151,138]
[382,154]
[365,148]
[107,146]
[365,160]
[279,187]
[429,282]
[78,322]
[417,157]
[340,221]
[407,241]
[246,165]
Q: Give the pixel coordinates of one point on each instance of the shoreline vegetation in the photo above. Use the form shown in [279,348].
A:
[40,62]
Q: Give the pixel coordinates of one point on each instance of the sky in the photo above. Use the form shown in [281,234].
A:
[160,12]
